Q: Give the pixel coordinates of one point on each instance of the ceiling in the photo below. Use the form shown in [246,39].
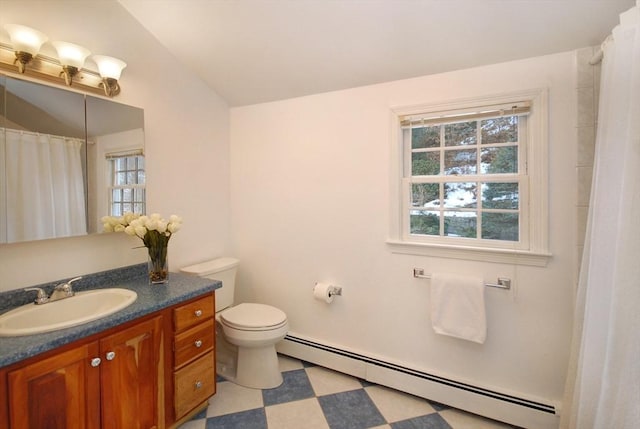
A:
[253,51]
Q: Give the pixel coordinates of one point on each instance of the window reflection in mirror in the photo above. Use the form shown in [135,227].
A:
[56,147]
[115,135]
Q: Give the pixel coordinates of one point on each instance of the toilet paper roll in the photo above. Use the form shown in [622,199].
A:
[321,292]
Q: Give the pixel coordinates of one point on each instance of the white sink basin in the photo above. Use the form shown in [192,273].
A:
[81,308]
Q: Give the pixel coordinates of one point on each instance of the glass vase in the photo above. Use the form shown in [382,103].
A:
[158,265]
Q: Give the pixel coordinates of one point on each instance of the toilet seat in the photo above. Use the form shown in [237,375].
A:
[253,317]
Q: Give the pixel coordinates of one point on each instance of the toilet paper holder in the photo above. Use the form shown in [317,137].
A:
[335,290]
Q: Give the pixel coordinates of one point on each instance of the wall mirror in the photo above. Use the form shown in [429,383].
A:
[66,160]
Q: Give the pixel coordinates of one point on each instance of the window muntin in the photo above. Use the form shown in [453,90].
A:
[465,176]
[127,184]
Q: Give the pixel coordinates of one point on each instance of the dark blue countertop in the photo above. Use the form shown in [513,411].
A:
[151,298]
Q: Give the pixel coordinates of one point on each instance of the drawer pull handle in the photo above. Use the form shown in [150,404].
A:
[198,384]
[198,343]
[198,313]
[95,362]
[110,355]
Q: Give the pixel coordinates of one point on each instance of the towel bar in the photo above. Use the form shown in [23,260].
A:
[503,282]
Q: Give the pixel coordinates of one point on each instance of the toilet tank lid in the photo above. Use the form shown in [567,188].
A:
[211,267]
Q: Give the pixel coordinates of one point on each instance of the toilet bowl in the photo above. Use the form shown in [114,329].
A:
[246,334]
[255,329]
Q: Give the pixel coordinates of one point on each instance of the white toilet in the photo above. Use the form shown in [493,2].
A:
[246,334]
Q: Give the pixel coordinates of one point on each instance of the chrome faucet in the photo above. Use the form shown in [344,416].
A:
[61,291]
[42,297]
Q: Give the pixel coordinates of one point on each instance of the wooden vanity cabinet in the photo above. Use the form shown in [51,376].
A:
[194,375]
[72,389]
[151,373]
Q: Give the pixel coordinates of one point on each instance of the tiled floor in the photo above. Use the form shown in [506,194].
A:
[313,397]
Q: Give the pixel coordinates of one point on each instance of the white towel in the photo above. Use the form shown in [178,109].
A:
[457,307]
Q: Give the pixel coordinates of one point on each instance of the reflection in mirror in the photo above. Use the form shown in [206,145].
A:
[57,170]
[115,136]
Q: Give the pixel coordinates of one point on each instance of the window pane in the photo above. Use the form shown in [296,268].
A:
[120,163]
[460,224]
[425,195]
[115,195]
[131,177]
[500,130]
[425,163]
[141,177]
[496,195]
[138,208]
[460,161]
[120,179]
[127,207]
[463,133]
[425,223]
[116,210]
[140,162]
[425,137]
[127,194]
[460,195]
[138,195]
[499,160]
[500,226]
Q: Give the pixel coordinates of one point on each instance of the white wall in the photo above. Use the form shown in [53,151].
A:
[186,137]
[310,202]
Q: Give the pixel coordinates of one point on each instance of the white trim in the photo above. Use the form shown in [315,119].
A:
[469,253]
[537,167]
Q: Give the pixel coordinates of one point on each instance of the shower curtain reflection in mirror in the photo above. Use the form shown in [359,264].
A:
[44,186]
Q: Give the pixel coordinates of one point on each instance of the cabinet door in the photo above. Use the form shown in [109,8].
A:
[60,392]
[130,376]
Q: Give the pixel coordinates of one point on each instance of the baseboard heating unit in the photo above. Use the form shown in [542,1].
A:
[526,413]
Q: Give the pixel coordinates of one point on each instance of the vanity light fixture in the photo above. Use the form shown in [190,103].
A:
[24,49]
[71,59]
[26,43]
[110,70]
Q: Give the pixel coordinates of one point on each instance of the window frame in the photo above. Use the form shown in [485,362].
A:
[110,159]
[532,248]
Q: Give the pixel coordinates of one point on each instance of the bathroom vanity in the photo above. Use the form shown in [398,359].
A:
[151,365]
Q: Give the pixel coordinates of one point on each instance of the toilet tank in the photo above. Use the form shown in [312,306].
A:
[223,269]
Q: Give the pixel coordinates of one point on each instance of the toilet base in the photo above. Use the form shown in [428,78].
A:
[257,367]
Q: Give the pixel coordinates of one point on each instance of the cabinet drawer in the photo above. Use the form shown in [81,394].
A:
[188,315]
[193,342]
[194,384]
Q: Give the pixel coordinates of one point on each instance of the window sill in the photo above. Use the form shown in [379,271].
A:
[505,256]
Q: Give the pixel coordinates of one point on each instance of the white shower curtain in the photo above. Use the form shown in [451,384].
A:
[45,196]
[604,383]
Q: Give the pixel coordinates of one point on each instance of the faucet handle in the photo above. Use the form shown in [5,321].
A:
[66,287]
[41,298]
[73,280]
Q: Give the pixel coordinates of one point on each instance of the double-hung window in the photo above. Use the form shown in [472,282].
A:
[127,183]
[466,178]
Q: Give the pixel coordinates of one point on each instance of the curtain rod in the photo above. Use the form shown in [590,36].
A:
[35,133]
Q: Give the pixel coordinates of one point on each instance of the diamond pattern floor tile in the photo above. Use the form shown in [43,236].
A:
[396,406]
[431,421]
[252,419]
[305,413]
[313,397]
[232,398]
[350,410]
[326,381]
[295,386]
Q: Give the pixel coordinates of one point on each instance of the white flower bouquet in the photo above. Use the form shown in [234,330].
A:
[155,233]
